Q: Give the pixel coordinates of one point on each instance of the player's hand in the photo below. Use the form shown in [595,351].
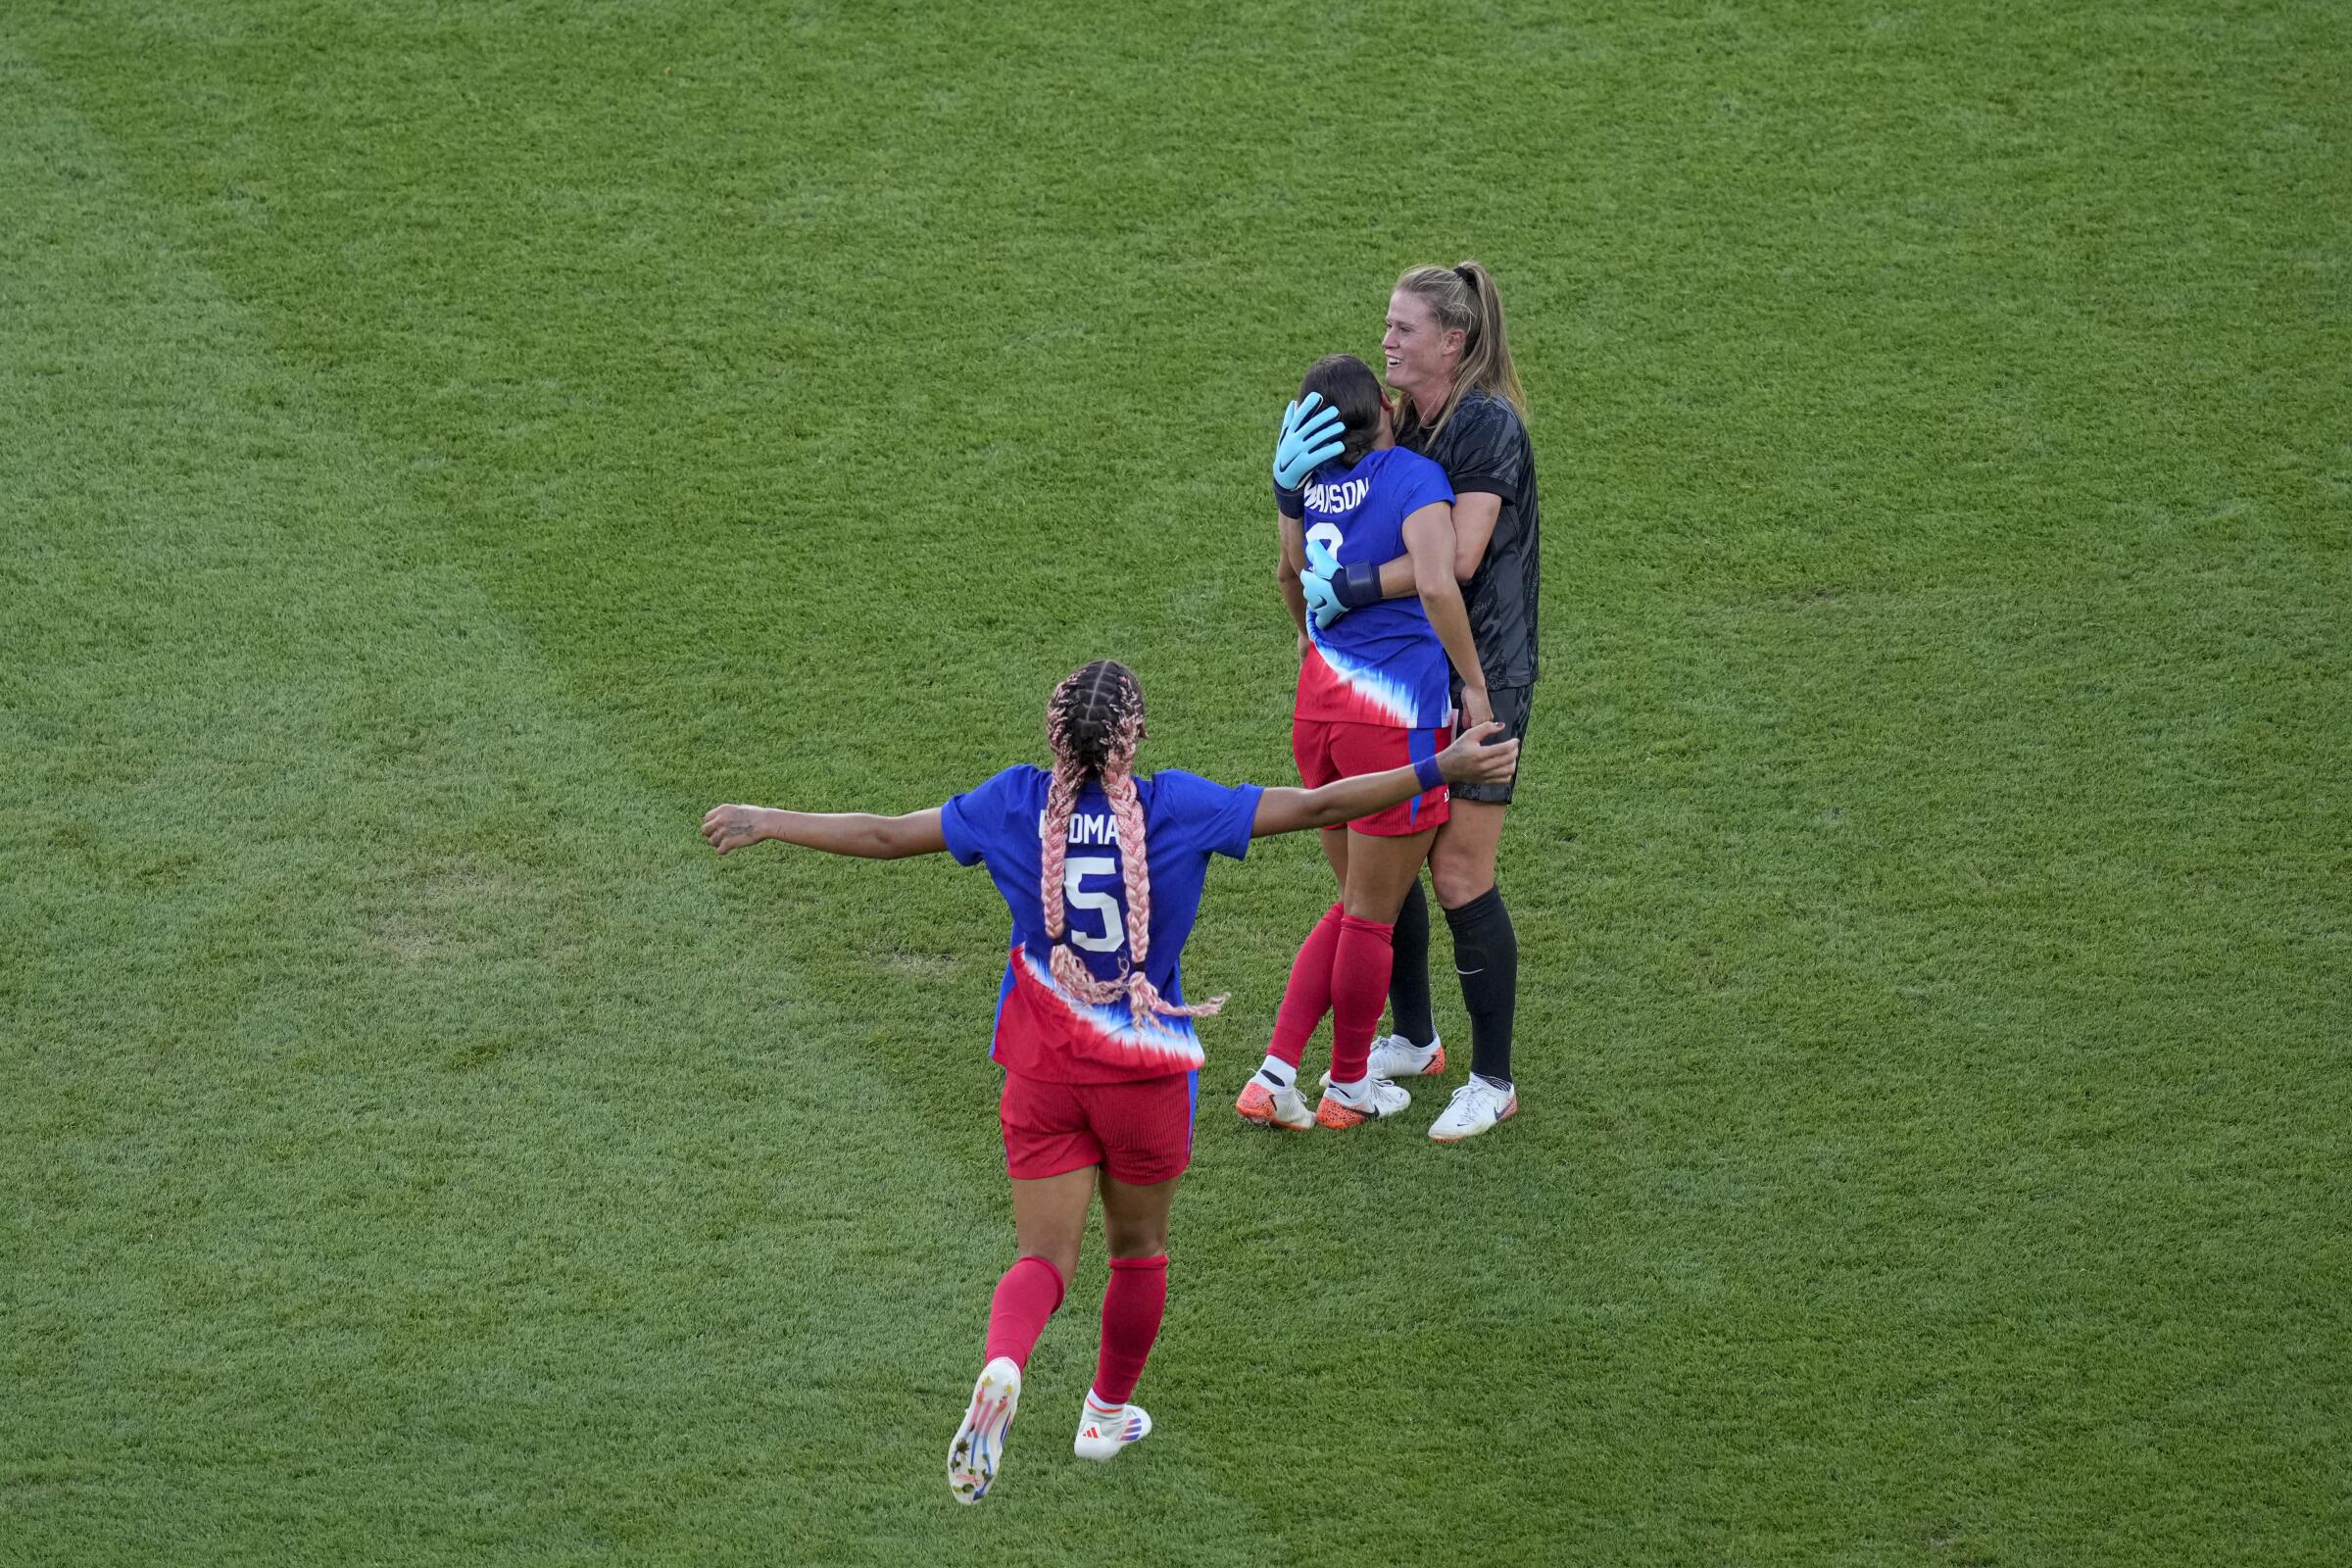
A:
[731,827]
[1309,440]
[1319,581]
[1304,643]
[1476,707]
[1470,760]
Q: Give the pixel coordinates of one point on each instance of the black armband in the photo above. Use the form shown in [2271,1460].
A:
[1358,584]
[1290,504]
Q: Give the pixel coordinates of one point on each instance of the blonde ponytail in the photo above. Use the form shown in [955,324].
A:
[1465,300]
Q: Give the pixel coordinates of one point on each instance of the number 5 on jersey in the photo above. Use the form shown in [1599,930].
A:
[1114,930]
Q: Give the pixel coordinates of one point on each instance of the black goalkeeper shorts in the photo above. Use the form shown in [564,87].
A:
[1511,704]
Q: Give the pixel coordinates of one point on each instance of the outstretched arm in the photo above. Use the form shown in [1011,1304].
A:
[1468,761]
[858,833]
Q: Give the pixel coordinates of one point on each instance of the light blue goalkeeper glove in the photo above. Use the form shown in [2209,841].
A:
[1309,439]
[1319,582]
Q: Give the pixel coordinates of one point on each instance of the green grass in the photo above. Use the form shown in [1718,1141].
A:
[443,449]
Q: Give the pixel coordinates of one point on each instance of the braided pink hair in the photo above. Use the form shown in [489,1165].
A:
[1094,722]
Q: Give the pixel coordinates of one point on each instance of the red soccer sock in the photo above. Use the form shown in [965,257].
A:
[1025,1298]
[1131,1312]
[1307,998]
[1360,989]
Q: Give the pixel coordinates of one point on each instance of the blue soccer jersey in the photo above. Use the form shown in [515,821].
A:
[1383,663]
[1042,1032]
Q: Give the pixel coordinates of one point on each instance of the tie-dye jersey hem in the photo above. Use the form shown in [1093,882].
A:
[1040,1018]
[1335,687]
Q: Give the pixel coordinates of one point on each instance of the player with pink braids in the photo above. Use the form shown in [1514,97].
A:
[1103,874]
[1116,772]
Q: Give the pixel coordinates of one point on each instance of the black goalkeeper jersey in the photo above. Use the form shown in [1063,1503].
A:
[1485,446]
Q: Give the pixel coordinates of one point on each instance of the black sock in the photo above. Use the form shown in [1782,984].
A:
[1408,971]
[1485,954]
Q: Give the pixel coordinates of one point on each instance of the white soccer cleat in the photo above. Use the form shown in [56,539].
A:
[1380,1098]
[1475,1108]
[1103,1433]
[980,1441]
[1268,1107]
[1394,1056]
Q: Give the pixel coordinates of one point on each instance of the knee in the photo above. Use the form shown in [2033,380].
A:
[1135,1240]
[1062,1256]
[1458,883]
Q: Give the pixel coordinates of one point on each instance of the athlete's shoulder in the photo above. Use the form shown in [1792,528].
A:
[1411,481]
[1201,813]
[1404,464]
[1020,775]
[1174,789]
[985,818]
[1481,415]
[1007,790]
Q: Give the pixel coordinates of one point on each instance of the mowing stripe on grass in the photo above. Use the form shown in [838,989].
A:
[404,1152]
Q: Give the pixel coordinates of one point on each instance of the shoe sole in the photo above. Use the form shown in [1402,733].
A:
[1509,1112]
[1260,1113]
[1331,1113]
[980,1441]
[1105,1454]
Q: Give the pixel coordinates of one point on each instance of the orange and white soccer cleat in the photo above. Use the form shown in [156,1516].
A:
[1266,1105]
[1379,1098]
[1394,1056]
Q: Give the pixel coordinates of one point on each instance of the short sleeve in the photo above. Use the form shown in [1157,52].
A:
[1489,451]
[1424,485]
[980,819]
[1215,818]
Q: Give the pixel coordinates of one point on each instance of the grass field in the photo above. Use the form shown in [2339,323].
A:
[444,448]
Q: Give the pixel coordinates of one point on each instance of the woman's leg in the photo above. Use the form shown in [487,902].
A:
[1147,1133]
[1135,1218]
[1052,1154]
[1135,1227]
[1409,1013]
[1486,948]
[1335,850]
[1409,970]
[1048,1220]
[1306,997]
[1380,867]
[1462,861]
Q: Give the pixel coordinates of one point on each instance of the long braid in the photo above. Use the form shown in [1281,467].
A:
[1127,810]
[1062,733]
[1054,843]
[1094,723]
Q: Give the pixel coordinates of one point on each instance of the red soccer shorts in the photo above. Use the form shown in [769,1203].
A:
[1335,748]
[1140,1132]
